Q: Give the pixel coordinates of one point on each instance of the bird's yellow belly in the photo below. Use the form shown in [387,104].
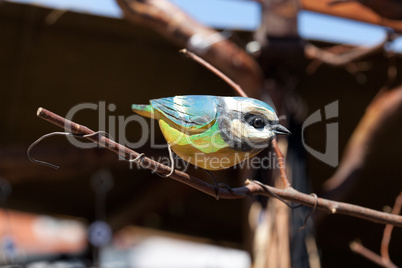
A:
[206,150]
[222,159]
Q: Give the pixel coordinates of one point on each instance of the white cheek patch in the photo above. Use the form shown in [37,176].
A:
[238,129]
[246,132]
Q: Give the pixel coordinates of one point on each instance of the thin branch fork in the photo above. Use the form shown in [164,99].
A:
[370,255]
[251,188]
[383,259]
[386,238]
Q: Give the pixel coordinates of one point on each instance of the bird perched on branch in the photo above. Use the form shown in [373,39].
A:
[214,132]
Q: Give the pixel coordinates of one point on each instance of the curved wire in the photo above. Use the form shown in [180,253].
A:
[172,166]
[218,191]
[310,213]
[61,134]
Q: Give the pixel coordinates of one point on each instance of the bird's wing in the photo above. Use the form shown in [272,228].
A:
[193,112]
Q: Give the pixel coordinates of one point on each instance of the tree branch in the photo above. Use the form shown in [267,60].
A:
[389,9]
[250,189]
[341,59]
[356,11]
[381,111]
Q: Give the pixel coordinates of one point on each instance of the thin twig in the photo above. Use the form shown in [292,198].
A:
[383,260]
[236,193]
[386,237]
[282,164]
[225,78]
[358,248]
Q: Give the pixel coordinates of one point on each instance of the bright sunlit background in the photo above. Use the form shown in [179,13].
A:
[229,14]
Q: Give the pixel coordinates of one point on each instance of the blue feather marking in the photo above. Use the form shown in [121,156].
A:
[190,111]
[255,102]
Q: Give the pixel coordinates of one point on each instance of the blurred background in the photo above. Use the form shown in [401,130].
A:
[99,211]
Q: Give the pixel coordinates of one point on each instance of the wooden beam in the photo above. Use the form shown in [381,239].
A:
[279,19]
[352,10]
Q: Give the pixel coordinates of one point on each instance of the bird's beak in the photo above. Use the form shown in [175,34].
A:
[279,129]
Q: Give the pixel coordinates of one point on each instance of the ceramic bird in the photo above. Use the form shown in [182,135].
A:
[214,132]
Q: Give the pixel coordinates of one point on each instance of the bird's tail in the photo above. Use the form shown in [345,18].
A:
[143,109]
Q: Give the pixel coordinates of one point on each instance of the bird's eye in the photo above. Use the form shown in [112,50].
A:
[258,123]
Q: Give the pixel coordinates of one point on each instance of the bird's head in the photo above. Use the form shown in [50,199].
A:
[248,124]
